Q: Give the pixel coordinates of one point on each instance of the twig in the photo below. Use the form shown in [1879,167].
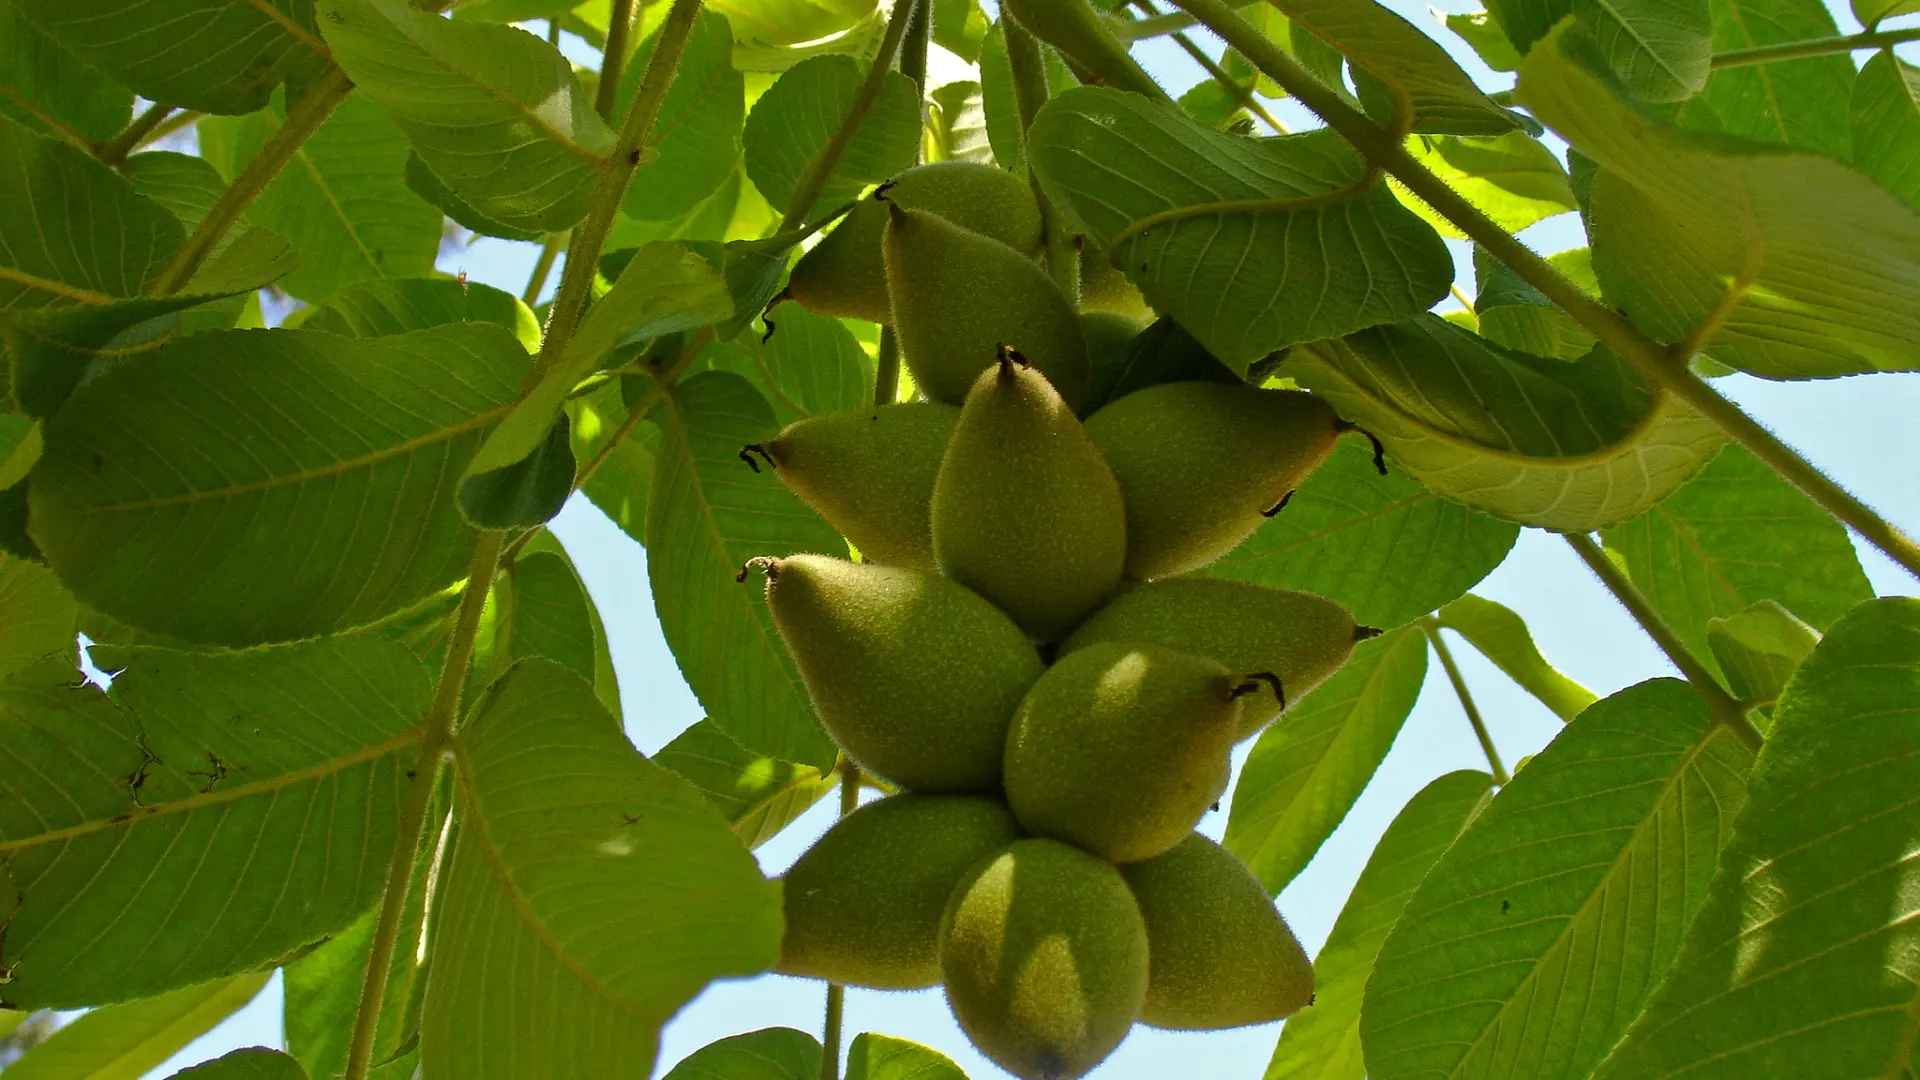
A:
[1030,91]
[321,99]
[1432,629]
[613,58]
[836,993]
[542,268]
[435,732]
[1725,709]
[1242,94]
[1794,50]
[115,150]
[886,368]
[1660,365]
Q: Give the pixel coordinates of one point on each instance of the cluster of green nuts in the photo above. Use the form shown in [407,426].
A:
[1024,655]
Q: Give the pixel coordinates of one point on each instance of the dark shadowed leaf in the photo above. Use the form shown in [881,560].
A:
[695,143]
[50,90]
[1541,932]
[40,615]
[767,1054]
[251,1063]
[1305,772]
[791,123]
[385,308]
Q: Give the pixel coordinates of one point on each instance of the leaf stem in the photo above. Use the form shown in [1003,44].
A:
[1500,775]
[836,993]
[1822,46]
[1030,91]
[913,50]
[321,99]
[613,57]
[583,248]
[886,368]
[115,150]
[1242,94]
[813,180]
[436,730]
[168,126]
[1660,365]
[542,269]
[1724,707]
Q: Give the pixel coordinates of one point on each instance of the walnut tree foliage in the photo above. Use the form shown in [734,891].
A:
[360,723]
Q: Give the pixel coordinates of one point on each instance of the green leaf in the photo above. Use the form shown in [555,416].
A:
[323,993]
[811,365]
[1502,637]
[1358,262]
[793,120]
[1383,546]
[1801,103]
[251,1063]
[791,22]
[210,814]
[958,124]
[666,287]
[1737,534]
[422,182]
[1515,314]
[1800,962]
[695,143]
[883,1057]
[1305,771]
[1800,265]
[960,27]
[1540,933]
[767,1054]
[1759,648]
[1323,1042]
[493,111]
[263,485]
[538,608]
[218,58]
[343,200]
[1885,113]
[708,515]
[758,795]
[1512,178]
[186,185]
[526,493]
[1425,81]
[1485,37]
[623,482]
[48,89]
[1541,442]
[40,616]
[1873,12]
[125,1042]
[1661,49]
[385,308]
[609,887]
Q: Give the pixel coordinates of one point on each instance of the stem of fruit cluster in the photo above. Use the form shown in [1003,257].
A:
[436,730]
[613,58]
[1661,365]
[886,368]
[814,179]
[1725,709]
[1794,50]
[583,248]
[115,150]
[321,99]
[542,269]
[836,993]
[1030,91]
[1500,774]
[913,51]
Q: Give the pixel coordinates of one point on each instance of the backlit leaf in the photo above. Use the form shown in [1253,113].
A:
[1383,546]
[883,1057]
[607,885]
[40,615]
[1501,636]
[250,1063]
[1885,113]
[1512,178]
[1759,648]
[767,1054]
[758,795]
[208,815]
[126,1041]
[695,143]
[1379,42]
[793,120]
[1801,102]
[1538,936]
[1305,772]
[1800,964]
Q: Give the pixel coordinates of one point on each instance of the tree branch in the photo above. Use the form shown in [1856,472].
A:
[322,98]
[1432,630]
[1660,365]
[115,150]
[613,58]
[1725,709]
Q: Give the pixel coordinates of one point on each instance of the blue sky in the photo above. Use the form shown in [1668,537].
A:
[1863,430]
